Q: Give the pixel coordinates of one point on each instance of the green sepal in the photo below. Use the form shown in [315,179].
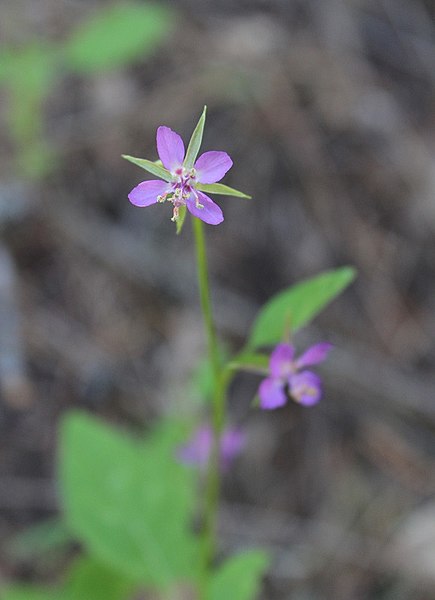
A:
[220,188]
[150,166]
[195,141]
[181,218]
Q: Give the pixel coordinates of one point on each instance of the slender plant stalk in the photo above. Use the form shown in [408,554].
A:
[219,405]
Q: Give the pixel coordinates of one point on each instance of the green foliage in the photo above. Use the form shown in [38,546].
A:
[28,73]
[220,188]
[182,211]
[297,306]
[112,38]
[239,577]
[30,68]
[195,141]
[116,36]
[27,592]
[130,503]
[87,580]
[152,167]
[250,361]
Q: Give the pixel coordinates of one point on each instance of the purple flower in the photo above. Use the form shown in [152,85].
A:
[182,188]
[286,378]
[197,451]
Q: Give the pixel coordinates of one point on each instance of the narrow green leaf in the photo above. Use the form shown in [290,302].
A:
[250,361]
[239,578]
[117,35]
[152,167]
[181,218]
[220,188]
[129,502]
[297,306]
[195,141]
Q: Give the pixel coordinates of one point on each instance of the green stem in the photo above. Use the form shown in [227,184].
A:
[218,407]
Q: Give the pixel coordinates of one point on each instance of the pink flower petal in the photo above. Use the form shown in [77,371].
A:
[280,364]
[170,148]
[146,192]
[211,213]
[197,451]
[232,442]
[212,166]
[314,355]
[305,388]
[272,395]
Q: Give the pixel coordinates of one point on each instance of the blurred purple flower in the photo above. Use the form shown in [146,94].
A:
[182,189]
[286,377]
[197,451]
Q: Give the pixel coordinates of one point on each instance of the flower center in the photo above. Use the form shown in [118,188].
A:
[182,186]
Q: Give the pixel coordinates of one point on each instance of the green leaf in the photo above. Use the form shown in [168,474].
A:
[250,361]
[297,306]
[152,167]
[86,580]
[93,581]
[195,141]
[28,74]
[220,188]
[27,592]
[130,503]
[117,35]
[181,218]
[30,68]
[239,578]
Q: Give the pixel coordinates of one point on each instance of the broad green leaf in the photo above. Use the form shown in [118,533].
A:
[27,592]
[44,537]
[297,306]
[130,503]
[118,35]
[92,581]
[220,188]
[195,141]
[152,167]
[250,361]
[181,218]
[239,578]
[86,580]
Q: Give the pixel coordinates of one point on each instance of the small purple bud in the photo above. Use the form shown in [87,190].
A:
[197,451]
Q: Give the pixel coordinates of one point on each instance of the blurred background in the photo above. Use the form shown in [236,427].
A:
[327,109]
